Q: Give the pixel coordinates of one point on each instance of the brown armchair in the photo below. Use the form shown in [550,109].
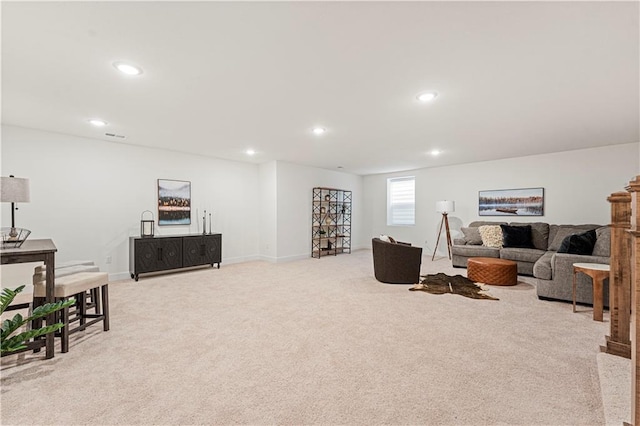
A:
[396,263]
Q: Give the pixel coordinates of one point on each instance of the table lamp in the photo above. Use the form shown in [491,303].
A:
[14,190]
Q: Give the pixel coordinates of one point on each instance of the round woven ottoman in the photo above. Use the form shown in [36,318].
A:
[493,271]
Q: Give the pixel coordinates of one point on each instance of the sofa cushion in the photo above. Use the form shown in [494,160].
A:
[475,251]
[491,235]
[521,254]
[579,243]
[472,236]
[557,233]
[479,223]
[542,268]
[603,242]
[539,233]
[516,236]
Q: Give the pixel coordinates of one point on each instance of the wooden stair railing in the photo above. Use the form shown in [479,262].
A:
[634,190]
[619,342]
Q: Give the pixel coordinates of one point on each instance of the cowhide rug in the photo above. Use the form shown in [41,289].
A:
[443,283]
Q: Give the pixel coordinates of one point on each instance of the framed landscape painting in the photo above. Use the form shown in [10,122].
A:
[174,202]
[511,202]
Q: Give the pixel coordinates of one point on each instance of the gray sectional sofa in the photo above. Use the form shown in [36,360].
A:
[553,271]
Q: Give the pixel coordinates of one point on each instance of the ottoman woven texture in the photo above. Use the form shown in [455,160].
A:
[493,271]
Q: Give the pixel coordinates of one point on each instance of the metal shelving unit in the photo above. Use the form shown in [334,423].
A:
[330,222]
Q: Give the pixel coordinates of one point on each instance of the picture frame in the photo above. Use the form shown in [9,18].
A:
[511,202]
[174,202]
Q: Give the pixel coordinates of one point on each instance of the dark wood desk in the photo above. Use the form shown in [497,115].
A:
[37,251]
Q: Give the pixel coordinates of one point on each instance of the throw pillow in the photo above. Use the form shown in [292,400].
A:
[579,243]
[387,238]
[603,242]
[491,235]
[472,236]
[516,236]
[539,233]
[561,235]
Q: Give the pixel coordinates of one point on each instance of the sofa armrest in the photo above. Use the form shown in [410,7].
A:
[562,263]
[459,242]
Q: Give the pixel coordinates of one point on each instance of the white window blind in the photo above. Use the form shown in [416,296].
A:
[401,201]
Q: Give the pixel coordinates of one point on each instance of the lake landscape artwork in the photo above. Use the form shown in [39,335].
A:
[174,202]
[511,202]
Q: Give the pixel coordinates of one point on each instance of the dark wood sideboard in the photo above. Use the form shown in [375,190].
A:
[154,254]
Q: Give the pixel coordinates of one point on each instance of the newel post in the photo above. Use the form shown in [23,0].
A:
[634,189]
[619,342]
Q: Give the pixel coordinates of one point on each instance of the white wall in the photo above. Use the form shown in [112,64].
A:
[295,185]
[268,244]
[576,185]
[87,195]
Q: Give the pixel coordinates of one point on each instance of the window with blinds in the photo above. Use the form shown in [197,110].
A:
[401,201]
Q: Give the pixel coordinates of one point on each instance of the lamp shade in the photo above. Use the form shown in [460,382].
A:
[14,190]
[445,206]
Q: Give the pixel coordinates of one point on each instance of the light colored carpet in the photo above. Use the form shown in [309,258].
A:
[315,342]
[615,383]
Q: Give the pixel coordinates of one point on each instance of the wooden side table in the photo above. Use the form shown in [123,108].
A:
[598,272]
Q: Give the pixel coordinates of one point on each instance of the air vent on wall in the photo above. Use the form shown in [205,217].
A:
[113,135]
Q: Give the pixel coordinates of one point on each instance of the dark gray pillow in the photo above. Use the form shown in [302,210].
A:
[561,234]
[579,243]
[472,236]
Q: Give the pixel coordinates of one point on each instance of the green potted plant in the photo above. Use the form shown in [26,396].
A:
[9,342]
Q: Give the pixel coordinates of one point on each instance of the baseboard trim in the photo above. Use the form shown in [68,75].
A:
[118,276]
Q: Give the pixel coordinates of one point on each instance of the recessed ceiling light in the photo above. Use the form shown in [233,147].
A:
[250,152]
[97,122]
[435,152]
[127,68]
[427,96]
[319,130]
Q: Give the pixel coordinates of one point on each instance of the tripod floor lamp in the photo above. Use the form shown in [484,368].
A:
[445,207]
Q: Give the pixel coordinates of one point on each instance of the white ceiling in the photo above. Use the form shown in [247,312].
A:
[515,79]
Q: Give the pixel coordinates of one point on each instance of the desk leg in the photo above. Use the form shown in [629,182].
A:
[49,298]
[598,297]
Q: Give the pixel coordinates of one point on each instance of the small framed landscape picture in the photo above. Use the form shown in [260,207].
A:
[511,202]
[174,202]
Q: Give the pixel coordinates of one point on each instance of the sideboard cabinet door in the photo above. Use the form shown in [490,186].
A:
[194,251]
[170,253]
[146,255]
[213,249]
